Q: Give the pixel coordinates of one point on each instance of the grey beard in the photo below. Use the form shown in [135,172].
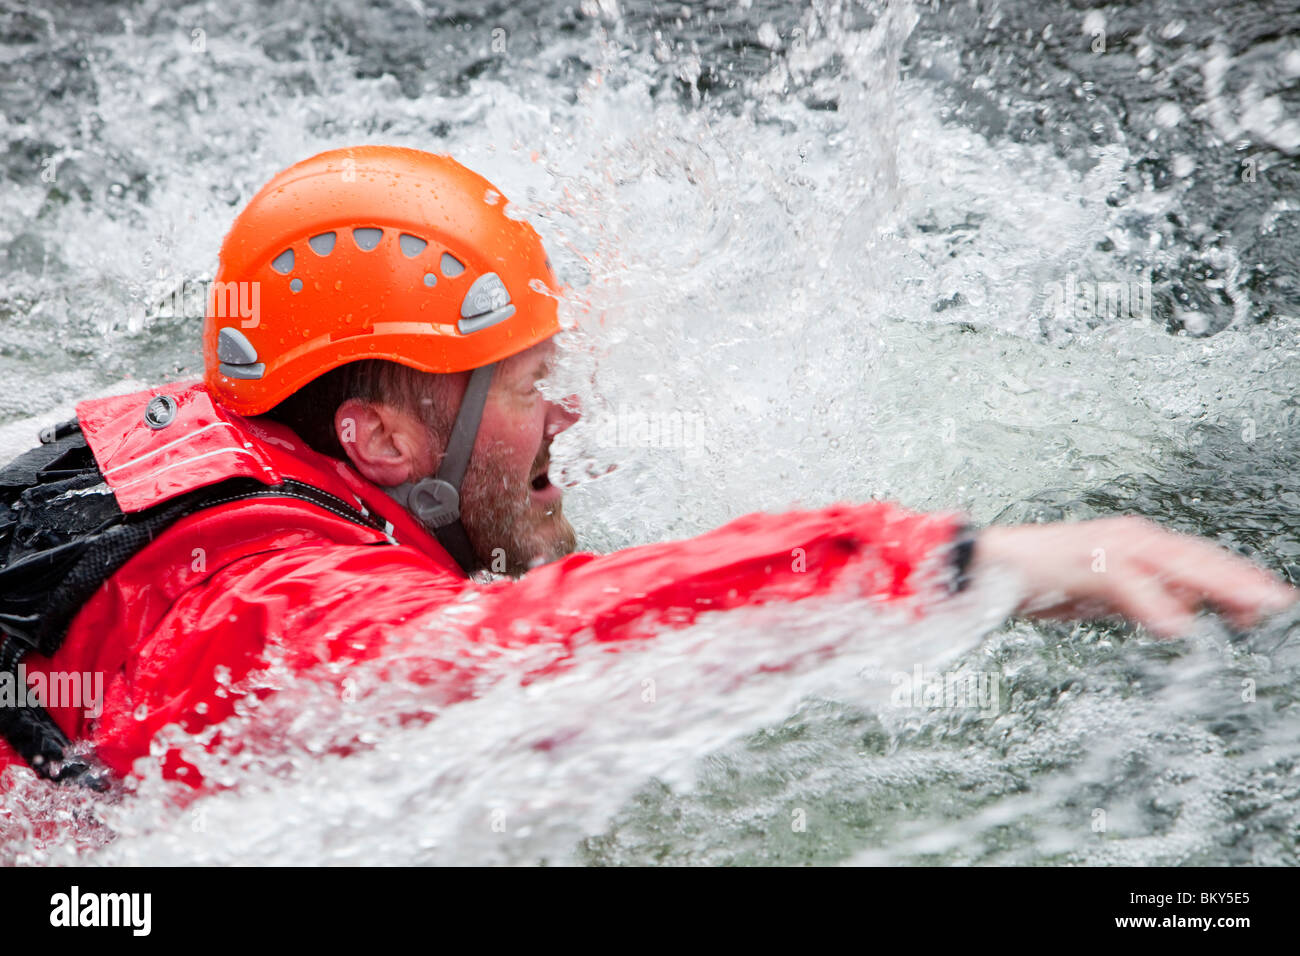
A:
[507,534]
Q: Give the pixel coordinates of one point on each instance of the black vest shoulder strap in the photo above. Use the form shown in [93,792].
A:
[62,535]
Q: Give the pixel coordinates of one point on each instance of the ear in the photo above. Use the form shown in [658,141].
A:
[387,445]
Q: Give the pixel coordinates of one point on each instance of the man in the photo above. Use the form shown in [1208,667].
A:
[370,433]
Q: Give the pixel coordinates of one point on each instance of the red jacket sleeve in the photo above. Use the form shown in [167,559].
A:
[337,602]
[320,607]
[872,550]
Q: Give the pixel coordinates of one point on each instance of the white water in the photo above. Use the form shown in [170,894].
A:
[773,273]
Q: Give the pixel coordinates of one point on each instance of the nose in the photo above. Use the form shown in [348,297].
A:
[562,414]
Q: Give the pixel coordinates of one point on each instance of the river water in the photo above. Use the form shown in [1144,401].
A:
[1031,260]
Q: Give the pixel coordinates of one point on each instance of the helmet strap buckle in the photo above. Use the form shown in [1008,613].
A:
[434,502]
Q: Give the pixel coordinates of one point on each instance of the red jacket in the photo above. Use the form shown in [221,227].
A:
[201,607]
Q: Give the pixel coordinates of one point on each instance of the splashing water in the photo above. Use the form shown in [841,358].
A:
[814,255]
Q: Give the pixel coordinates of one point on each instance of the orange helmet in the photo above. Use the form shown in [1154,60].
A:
[372,252]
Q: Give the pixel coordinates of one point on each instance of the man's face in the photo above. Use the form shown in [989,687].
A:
[511,511]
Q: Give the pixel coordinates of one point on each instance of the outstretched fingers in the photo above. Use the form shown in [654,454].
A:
[1144,597]
[1201,571]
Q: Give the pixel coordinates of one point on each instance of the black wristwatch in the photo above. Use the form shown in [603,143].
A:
[963,550]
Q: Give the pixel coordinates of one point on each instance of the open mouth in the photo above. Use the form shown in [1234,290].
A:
[543,491]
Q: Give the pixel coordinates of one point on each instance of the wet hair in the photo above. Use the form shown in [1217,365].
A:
[309,412]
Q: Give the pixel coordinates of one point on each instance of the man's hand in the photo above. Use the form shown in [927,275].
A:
[1129,566]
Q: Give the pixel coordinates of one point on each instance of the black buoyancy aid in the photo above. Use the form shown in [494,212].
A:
[62,535]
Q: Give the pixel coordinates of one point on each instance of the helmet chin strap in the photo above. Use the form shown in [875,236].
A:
[435,501]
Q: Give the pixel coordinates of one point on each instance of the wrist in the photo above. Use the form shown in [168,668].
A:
[1000,550]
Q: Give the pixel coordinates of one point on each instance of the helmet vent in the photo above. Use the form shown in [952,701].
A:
[430,279]
[451,266]
[411,245]
[283,263]
[367,238]
[323,244]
